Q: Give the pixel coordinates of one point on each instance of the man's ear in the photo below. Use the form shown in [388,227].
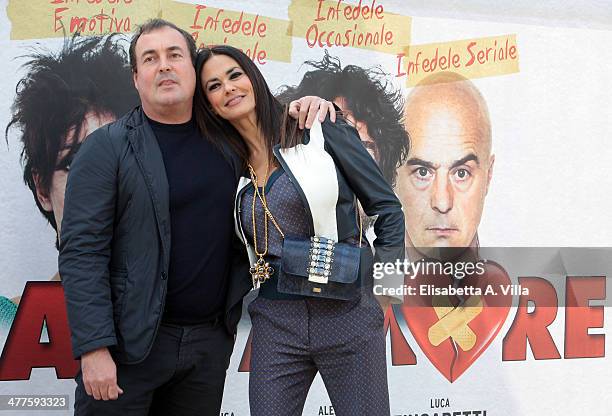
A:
[490,174]
[135,78]
[42,195]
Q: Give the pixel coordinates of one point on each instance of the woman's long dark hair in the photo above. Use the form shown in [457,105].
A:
[273,120]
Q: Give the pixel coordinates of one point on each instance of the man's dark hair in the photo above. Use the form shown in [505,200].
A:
[88,75]
[156,24]
[369,98]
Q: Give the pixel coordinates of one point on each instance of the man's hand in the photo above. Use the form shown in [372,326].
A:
[305,110]
[100,375]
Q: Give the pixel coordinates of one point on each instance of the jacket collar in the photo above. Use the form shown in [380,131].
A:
[135,118]
[151,163]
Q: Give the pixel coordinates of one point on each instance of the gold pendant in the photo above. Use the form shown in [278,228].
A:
[261,271]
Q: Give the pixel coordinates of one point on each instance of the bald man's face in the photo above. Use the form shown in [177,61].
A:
[444,182]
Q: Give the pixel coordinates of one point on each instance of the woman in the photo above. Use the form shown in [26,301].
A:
[299,185]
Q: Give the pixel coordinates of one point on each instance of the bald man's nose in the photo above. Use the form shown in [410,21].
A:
[442,194]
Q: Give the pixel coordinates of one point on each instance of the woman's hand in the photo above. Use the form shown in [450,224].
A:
[305,110]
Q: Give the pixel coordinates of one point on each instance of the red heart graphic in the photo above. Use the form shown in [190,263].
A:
[420,316]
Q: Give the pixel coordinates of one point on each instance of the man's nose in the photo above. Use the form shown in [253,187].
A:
[164,64]
[442,194]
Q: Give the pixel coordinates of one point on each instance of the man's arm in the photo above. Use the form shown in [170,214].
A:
[85,252]
[306,108]
[85,244]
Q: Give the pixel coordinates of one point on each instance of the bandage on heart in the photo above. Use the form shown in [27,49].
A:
[453,322]
[453,355]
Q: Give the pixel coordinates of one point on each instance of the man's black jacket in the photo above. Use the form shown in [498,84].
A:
[115,242]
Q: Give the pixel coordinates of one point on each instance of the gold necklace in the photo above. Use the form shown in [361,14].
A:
[261,270]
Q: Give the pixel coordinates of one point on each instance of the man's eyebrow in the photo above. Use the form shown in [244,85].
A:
[466,159]
[147,52]
[420,162]
[153,51]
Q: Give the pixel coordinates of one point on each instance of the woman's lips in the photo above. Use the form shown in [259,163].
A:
[234,101]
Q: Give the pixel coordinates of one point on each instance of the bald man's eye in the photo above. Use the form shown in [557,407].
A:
[422,174]
[421,177]
[462,174]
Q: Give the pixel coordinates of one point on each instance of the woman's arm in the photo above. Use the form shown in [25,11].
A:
[373,192]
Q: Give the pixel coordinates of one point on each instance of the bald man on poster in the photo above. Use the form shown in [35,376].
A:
[446,177]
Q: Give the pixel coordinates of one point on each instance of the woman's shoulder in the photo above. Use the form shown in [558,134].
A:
[339,132]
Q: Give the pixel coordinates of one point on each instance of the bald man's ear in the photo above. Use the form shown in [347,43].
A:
[490,173]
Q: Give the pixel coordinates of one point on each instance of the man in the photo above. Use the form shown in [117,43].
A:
[63,97]
[444,182]
[153,274]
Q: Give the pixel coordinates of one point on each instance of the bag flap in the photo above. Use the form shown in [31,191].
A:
[295,256]
[296,260]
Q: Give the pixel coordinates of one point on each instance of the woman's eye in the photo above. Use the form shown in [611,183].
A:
[235,75]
